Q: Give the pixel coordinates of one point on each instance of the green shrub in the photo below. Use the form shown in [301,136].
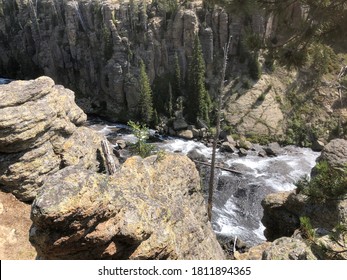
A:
[141,147]
[306,228]
[329,183]
[254,68]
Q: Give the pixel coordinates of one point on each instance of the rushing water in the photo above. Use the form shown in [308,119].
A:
[236,207]
[4,81]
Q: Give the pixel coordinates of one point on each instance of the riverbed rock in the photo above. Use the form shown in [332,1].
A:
[318,145]
[186,134]
[273,149]
[151,209]
[242,152]
[180,124]
[195,155]
[228,147]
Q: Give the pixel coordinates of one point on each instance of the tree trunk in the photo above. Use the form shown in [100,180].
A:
[216,137]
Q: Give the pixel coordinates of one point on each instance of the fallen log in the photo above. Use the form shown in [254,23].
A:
[110,164]
[219,167]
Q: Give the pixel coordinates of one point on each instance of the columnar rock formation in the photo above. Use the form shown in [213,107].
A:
[94,47]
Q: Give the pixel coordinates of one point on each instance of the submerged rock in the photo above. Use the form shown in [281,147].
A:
[150,209]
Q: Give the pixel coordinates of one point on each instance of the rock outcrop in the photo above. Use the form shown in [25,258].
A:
[286,248]
[150,209]
[282,212]
[257,110]
[40,133]
[335,153]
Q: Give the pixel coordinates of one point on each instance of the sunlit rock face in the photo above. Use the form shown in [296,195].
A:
[150,209]
[41,132]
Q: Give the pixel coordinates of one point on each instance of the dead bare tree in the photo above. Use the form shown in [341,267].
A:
[216,136]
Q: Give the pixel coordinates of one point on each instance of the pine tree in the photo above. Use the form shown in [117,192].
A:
[145,109]
[198,103]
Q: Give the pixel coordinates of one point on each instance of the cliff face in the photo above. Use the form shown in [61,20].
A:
[94,47]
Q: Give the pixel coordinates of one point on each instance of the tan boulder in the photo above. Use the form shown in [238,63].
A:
[150,209]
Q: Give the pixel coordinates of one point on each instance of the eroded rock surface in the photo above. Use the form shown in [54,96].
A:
[150,209]
[40,133]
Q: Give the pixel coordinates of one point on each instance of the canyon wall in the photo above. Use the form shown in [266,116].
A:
[94,47]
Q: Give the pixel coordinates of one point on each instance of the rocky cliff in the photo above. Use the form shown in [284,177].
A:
[95,47]
[149,209]
[282,213]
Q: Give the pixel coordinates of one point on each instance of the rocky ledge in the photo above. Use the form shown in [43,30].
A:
[150,208]
[40,133]
[282,212]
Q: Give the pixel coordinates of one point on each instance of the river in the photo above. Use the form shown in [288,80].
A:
[237,210]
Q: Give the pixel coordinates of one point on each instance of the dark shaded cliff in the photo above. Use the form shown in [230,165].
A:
[94,47]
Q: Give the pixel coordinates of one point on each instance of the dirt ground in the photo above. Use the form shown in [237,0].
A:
[14,229]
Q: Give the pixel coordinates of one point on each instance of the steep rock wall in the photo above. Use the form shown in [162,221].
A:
[94,47]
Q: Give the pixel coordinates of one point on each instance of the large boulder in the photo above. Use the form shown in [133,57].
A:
[40,134]
[282,212]
[335,153]
[150,209]
[286,248]
[32,112]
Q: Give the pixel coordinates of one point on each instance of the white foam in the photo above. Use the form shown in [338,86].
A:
[259,232]
[185,146]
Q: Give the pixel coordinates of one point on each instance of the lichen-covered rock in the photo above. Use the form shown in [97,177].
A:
[22,173]
[283,210]
[335,153]
[287,248]
[39,135]
[150,209]
[32,112]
